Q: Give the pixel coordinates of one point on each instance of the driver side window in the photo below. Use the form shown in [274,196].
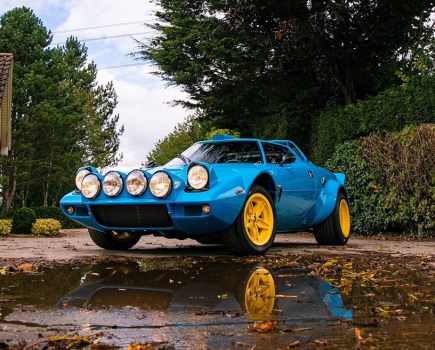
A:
[274,153]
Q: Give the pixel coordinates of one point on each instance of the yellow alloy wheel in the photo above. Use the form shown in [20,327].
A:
[258,219]
[344,215]
[260,293]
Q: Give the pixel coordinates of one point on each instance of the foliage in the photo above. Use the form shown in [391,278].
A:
[182,137]
[390,180]
[265,68]
[46,227]
[5,227]
[55,89]
[23,220]
[391,110]
[55,213]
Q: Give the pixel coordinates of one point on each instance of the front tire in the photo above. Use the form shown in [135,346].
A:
[335,230]
[113,240]
[254,229]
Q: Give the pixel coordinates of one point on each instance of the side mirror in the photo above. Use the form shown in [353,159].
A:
[287,159]
[149,164]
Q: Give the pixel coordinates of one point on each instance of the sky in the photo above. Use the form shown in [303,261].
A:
[144,100]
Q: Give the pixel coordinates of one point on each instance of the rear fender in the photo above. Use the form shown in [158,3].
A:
[327,199]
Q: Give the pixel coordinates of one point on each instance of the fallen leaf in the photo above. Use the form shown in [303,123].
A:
[4,270]
[26,268]
[358,335]
[288,330]
[263,327]
[285,296]
[320,342]
[293,344]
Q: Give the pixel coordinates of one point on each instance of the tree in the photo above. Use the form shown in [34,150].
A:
[266,68]
[62,118]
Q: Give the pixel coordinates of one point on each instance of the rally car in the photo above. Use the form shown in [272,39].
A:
[239,192]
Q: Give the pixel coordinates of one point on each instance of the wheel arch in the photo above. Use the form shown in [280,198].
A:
[326,201]
[266,181]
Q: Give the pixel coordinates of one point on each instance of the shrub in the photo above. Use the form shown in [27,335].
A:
[55,213]
[22,220]
[391,110]
[46,227]
[390,180]
[5,227]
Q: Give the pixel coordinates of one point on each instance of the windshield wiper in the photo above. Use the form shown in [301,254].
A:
[186,160]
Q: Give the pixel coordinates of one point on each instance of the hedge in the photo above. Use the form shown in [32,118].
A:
[55,213]
[46,227]
[391,110]
[390,180]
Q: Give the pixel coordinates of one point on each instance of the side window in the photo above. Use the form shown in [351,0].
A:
[274,153]
[294,149]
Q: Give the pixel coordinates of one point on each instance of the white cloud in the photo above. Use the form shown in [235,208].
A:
[143,99]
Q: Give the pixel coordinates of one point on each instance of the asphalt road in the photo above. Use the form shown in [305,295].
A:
[76,244]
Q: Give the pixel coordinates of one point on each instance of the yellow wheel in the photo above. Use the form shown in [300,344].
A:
[260,294]
[258,219]
[335,230]
[344,216]
[254,230]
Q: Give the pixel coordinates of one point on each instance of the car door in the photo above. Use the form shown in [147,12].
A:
[296,181]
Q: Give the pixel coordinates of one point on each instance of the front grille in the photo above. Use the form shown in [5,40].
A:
[146,216]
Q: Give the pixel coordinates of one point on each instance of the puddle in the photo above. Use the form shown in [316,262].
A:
[217,304]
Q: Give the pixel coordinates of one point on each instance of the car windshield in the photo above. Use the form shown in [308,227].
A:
[220,152]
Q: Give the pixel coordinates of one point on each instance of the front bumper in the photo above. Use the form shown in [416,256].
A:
[185,214]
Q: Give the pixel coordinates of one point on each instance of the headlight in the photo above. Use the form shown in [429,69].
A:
[81,173]
[112,184]
[160,184]
[136,183]
[90,186]
[197,177]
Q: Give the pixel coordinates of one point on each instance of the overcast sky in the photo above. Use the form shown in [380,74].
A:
[143,99]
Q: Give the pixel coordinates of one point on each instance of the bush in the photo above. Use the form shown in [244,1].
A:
[5,227]
[46,227]
[55,213]
[22,220]
[390,180]
[391,110]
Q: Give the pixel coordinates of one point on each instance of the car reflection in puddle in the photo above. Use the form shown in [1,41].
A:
[209,295]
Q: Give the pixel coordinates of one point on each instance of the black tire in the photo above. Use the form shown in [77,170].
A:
[239,239]
[109,240]
[335,230]
[212,239]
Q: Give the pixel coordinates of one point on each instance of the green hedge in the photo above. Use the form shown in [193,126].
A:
[392,110]
[390,180]
[55,213]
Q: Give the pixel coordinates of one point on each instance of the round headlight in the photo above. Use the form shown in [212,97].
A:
[112,184]
[160,184]
[136,183]
[90,186]
[197,177]
[81,173]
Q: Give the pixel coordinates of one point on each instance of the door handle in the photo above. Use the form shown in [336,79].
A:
[310,174]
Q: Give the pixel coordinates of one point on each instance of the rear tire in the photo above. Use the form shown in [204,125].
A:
[254,230]
[335,230]
[113,240]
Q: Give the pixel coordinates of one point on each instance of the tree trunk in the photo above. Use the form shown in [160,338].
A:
[344,83]
[10,192]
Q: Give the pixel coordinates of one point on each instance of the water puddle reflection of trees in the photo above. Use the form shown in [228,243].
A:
[217,303]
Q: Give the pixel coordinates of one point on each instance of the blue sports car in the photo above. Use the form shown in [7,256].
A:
[239,192]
